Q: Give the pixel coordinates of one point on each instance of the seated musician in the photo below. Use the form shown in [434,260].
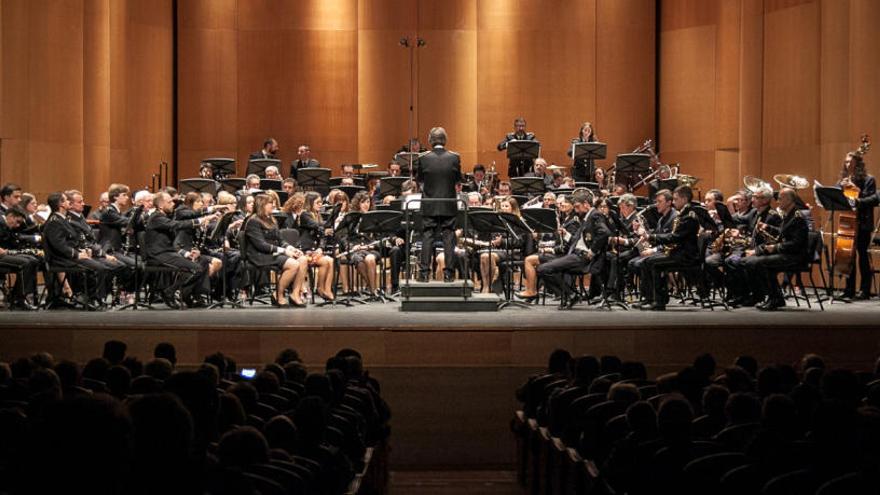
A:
[160,250]
[114,221]
[463,253]
[549,200]
[62,251]
[681,251]
[312,233]
[288,185]
[585,253]
[600,178]
[623,242]
[540,170]
[502,248]
[363,258]
[115,266]
[666,216]
[550,247]
[741,290]
[783,251]
[265,248]
[293,207]
[24,261]
[189,237]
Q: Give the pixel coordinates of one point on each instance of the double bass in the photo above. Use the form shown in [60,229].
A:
[848,227]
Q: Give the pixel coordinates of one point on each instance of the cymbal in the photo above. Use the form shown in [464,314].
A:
[556,167]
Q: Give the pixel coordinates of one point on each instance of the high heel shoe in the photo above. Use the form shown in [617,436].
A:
[325,296]
[276,304]
[527,299]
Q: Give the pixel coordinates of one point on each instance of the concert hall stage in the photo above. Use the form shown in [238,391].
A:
[450,377]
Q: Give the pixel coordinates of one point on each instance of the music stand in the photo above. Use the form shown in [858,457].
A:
[541,220]
[588,150]
[832,199]
[391,186]
[520,200]
[221,167]
[233,184]
[521,156]
[273,184]
[337,181]
[209,186]
[314,179]
[350,191]
[218,238]
[259,166]
[632,166]
[527,186]
[383,224]
[408,160]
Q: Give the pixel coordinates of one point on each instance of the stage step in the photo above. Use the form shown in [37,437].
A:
[437,289]
[477,302]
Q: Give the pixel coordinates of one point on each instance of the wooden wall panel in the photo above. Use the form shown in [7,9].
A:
[207,83]
[96,96]
[625,73]
[383,72]
[537,60]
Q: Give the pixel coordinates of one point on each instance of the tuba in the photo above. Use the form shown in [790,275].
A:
[754,184]
[795,182]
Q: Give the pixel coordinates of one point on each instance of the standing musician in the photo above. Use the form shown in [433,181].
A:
[569,222]
[62,250]
[270,149]
[681,251]
[582,168]
[160,250]
[517,167]
[264,248]
[439,171]
[854,173]
[312,233]
[24,290]
[304,160]
[787,251]
[585,253]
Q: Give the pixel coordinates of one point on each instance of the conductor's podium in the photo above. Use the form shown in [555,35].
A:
[446,296]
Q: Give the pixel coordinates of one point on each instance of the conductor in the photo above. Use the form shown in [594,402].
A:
[439,171]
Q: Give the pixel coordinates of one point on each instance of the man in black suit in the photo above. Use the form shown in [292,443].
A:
[270,149]
[439,172]
[61,246]
[680,251]
[518,167]
[788,251]
[160,250]
[115,264]
[25,264]
[304,160]
[585,253]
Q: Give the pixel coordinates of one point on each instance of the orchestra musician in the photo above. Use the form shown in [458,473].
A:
[185,238]
[517,167]
[582,168]
[304,160]
[160,251]
[666,216]
[854,172]
[269,151]
[501,246]
[585,253]
[540,170]
[682,251]
[569,222]
[623,244]
[439,172]
[312,232]
[740,288]
[778,255]
[265,248]
[23,293]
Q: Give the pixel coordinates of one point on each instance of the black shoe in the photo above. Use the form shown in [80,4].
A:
[169,300]
[863,296]
[196,302]
[772,304]
[656,307]
[24,305]
[422,277]
[527,299]
[448,278]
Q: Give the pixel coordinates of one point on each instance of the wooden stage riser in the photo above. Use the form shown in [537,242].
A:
[452,391]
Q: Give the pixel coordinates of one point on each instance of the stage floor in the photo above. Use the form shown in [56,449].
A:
[459,370]
[377,316]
